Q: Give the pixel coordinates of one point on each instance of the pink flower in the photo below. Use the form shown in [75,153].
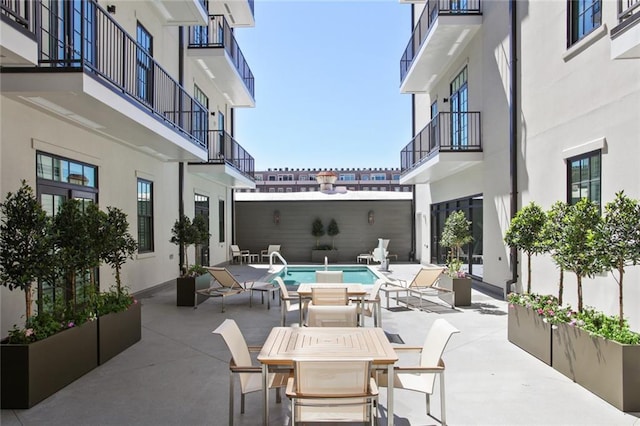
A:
[28,332]
[71,324]
[512,306]
[540,311]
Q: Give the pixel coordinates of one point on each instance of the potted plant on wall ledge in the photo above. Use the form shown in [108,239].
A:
[186,233]
[321,251]
[59,343]
[455,234]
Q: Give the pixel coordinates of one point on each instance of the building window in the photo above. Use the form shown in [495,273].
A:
[303,177]
[221,221]
[364,177]
[378,176]
[145,216]
[200,115]
[584,177]
[584,17]
[144,60]
[347,176]
[395,176]
[280,190]
[289,190]
[272,178]
[283,178]
[202,208]
[258,177]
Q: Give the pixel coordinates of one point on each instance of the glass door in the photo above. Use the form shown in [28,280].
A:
[459,101]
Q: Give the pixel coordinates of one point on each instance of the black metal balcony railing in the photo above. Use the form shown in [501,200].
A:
[20,14]
[628,15]
[433,9]
[218,34]
[89,40]
[223,148]
[447,132]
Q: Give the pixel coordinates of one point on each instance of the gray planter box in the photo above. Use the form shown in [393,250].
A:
[33,372]
[317,256]
[608,369]
[186,290]
[461,287]
[117,331]
[526,330]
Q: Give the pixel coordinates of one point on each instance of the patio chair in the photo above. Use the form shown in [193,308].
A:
[424,283]
[372,304]
[422,377]
[332,391]
[289,301]
[237,254]
[227,284]
[332,316]
[250,375]
[265,254]
[329,276]
[333,296]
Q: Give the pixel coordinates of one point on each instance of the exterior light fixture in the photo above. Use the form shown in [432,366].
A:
[276,217]
[111,8]
[370,217]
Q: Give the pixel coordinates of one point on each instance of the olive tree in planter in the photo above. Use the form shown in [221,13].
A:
[552,234]
[455,234]
[524,234]
[186,233]
[119,314]
[55,347]
[526,328]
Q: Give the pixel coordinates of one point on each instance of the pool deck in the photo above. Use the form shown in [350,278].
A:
[178,373]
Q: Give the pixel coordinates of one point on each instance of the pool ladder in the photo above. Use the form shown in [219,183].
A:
[279,256]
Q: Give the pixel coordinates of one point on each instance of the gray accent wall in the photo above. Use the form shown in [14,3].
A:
[255,227]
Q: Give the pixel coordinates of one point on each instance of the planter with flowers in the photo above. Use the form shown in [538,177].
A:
[456,233]
[58,344]
[186,233]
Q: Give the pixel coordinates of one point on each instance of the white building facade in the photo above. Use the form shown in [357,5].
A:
[127,104]
[517,102]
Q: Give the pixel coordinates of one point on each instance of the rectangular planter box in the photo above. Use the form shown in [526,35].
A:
[33,372]
[606,368]
[186,290]
[117,331]
[461,287]
[526,330]
[317,256]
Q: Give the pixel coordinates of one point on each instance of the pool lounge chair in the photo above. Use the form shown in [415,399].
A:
[237,254]
[423,284]
[227,286]
[266,254]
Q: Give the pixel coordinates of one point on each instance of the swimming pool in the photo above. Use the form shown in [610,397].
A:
[307,274]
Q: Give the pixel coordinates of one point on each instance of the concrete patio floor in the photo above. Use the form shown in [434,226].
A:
[178,373]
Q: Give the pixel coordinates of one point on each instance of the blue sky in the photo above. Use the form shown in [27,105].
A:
[326,84]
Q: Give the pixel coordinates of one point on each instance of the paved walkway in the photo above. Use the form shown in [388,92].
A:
[178,373]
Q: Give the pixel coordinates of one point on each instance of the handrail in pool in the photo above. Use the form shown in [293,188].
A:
[275,253]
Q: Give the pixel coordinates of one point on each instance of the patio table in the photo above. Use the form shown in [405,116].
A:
[354,290]
[284,344]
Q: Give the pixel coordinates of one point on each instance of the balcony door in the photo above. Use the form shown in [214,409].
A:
[71,29]
[144,66]
[459,100]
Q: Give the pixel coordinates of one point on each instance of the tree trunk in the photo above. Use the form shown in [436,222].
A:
[118,280]
[621,294]
[529,273]
[561,287]
[27,301]
[579,292]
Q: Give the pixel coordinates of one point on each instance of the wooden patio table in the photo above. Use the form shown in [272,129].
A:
[284,344]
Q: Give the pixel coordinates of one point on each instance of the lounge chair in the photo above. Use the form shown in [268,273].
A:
[241,365]
[237,254]
[227,284]
[329,276]
[421,378]
[423,284]
[332,391]
[265,254]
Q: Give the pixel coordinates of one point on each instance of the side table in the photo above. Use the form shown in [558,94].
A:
[263,288]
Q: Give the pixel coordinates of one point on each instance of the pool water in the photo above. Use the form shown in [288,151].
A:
[307,274]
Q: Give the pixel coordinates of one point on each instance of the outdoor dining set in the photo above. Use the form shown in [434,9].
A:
[330,365]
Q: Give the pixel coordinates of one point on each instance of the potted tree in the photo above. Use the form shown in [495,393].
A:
[58,344]
[597,351]
[119,314]
[320,251]
[455,234]
[526,328]
[186,233]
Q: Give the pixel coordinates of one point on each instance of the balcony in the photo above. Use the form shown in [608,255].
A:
[102,80]
[448,144]
[18,45]
[444,29]
[229,164]
[239,13]
[216,50]
[183,12]
[625,37]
